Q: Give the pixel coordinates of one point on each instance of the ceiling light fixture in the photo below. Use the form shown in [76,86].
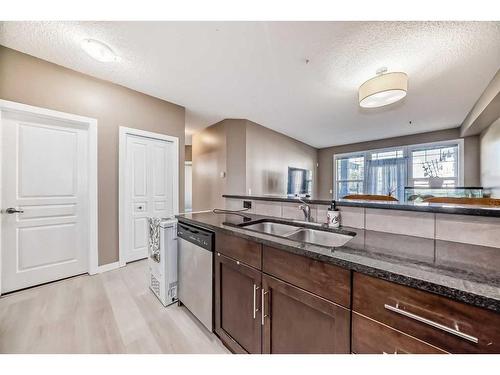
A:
[383,89]
[98,50]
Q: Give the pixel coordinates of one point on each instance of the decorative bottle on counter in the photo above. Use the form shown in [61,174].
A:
[333,216]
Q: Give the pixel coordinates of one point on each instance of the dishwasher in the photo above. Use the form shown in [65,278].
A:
[195,257]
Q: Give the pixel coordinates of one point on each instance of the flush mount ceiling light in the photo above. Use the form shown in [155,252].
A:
[98,50]
[383,89]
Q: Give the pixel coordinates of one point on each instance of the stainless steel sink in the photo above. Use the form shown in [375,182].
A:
[300,234]
[319,237]
[276,229]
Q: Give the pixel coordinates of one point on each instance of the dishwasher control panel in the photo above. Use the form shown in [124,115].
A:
[195,235]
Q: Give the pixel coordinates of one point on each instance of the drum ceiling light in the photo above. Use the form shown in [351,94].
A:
[383,89]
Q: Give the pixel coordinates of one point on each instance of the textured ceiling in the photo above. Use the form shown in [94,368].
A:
[258,70]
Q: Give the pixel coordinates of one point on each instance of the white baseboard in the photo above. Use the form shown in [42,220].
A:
[108,267]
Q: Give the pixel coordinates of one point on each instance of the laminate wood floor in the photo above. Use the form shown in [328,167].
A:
[112,312]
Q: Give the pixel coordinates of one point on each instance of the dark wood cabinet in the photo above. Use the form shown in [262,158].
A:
[296,321]
[237,305]
[246,251]
[444,323]
[323,279]
[271,301]
[372,337]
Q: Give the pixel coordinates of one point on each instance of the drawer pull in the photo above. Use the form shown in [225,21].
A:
[431,323]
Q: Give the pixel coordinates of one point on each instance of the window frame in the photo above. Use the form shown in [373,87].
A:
[349,155]
[407,150]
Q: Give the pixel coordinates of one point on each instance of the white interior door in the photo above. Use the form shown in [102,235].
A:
[148,190]
[45,175]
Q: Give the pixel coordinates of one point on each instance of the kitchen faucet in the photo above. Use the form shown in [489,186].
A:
[306,209]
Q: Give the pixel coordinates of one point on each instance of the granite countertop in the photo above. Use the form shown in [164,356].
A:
[463,283]
[444,208]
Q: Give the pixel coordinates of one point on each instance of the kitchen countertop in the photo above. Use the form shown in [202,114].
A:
[463,283]
[407,206]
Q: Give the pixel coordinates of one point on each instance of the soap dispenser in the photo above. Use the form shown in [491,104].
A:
[333,215]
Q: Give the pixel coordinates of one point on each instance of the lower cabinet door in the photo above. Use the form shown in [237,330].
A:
[237,305]
[296,321]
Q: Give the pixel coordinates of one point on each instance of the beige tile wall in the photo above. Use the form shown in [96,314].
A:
[419,224]
[475,230]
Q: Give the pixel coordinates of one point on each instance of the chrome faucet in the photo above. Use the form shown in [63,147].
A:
[306,209]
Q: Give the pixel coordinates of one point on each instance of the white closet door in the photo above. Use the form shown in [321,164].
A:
[45,178]
[148,190]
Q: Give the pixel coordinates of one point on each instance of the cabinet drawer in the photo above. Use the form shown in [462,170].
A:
[371,337]
[452,326]
[325,280]
[246,251]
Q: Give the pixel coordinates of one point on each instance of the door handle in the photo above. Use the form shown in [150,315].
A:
[255,309]
[263,306]
[12,210]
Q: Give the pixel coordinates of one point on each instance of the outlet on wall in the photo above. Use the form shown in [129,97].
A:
[247,204]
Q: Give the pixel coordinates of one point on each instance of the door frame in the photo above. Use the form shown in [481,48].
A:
[91,125]
[123,175]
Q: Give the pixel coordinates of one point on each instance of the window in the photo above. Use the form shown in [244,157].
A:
[434,167]
[388,171]
[350,175]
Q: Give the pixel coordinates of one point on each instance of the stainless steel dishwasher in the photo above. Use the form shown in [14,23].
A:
[195,252]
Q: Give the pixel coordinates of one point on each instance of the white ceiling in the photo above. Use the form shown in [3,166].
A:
[258,70]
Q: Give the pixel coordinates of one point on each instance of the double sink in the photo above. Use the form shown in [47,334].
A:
[296,231]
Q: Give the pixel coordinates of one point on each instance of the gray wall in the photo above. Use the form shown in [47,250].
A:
[471,155]
[490,158]
[26,79]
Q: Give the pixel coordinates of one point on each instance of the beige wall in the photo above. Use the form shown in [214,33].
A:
[471,155]
[490,158]
[485,111]
[252,157]
[268,156]
[209,161]
[236,143]
[29,80]
[188,153]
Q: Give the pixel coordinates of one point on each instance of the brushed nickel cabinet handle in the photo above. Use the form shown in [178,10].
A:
[263,306]
[431,323]
[255,309]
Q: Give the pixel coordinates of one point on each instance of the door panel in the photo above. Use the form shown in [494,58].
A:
[137,149]
[40,246]
[298,322]
[237,305]
[53,172]
[148,191]
[44,174]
